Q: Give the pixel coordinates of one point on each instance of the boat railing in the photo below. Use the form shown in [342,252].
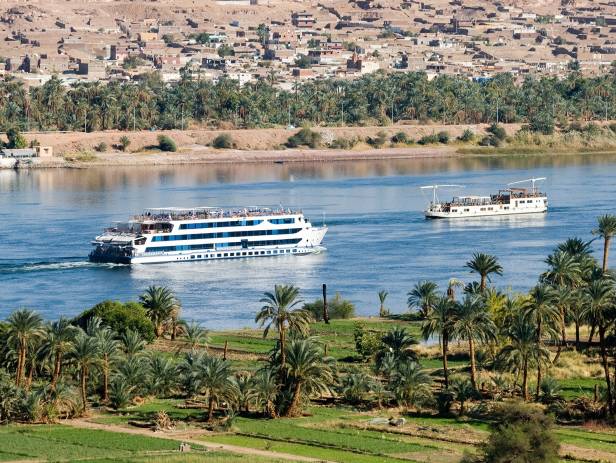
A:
[164,215]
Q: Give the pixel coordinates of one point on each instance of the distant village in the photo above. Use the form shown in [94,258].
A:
[285,42]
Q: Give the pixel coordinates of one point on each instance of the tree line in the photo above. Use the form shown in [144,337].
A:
[377,99]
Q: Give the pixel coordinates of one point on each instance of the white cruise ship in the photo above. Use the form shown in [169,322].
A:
[512,200]
[204,233]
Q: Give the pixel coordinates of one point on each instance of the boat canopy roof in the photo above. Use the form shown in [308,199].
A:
[206,212]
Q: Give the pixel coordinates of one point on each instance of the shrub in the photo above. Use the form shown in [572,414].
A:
[443,137]
[521,433]
[490,140]
[166,143]
[498,131]
[467,136]
[101,147]
[16,139]
[367,343]
[402,138]
[124,142]
[541,122]
[428,139]
[343,143]
[337,307]
[223,141]
[120,317]
[305,137]
[34,143]
[378,141]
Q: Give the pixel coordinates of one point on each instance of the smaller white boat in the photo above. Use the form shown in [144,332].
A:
[511,200]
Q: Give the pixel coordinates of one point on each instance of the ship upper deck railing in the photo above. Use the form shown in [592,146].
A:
[176,213]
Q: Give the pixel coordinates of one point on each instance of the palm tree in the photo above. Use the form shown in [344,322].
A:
[423,296]
[278,312]
[606,228]
[463,390]
[451,288]
[163,375]
[564,274]
[132,343]
[382,310]
[411,385]
[108,348]
[473,323]
[541,310]
[266,388]
[86,356]
[522,350]
[160,304]
[309,373]
[57,342]
[484,265]
[195,335]
[440,321]
[245,392]
[24,327]
[397,343]
[599,296]
[215,381]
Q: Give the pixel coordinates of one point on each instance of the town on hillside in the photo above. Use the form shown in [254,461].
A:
[288,41]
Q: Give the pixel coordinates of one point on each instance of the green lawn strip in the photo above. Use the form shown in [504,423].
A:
[344,439]
[193,457]
[575,387]
[305,450]
[588,440]
[435,421]
[250,341]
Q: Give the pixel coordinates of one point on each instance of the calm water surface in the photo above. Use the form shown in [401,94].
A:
[378,238]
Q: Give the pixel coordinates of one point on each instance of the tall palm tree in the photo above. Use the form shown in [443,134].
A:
[440,321]
[382,297]
[564,274]
[423,296]
[160,304]
[473,323]
[309,373]
[86,356]
[216,382]
[521,350]
[606,228]
[599,299]
[24,326]
[58,340]
[278,312]
[109,349]
[484,265]
[541,310]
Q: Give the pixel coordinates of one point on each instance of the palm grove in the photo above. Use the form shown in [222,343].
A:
[375,99]
[105,356]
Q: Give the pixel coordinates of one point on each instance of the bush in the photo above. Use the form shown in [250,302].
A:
[16,139]
[120,317]
[443,137]
[467,136]
[343,143]
[522,433]
[166,143]
[305,137]
[124,142]
[223,141]
[101,147]
[401,138]
[337,307]
[541,122]
[490,140]
[367,343]
[378,141]
[498,131]
[428,139]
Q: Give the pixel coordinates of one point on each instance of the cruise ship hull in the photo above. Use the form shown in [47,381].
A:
[466,215]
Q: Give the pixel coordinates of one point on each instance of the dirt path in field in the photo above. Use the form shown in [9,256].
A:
[189,437]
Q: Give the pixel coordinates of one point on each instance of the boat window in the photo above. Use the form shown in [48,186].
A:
[226,254]
[262,252]
[466,210]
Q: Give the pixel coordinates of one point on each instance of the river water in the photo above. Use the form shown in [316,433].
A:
[377,239]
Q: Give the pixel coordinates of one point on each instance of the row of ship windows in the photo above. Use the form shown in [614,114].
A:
[244,253]
[205,236]
[196,247]
[234,223]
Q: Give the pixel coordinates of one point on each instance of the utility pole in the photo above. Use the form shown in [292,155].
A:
[134,119]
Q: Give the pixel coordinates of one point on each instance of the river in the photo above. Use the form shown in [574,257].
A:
[377,239]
